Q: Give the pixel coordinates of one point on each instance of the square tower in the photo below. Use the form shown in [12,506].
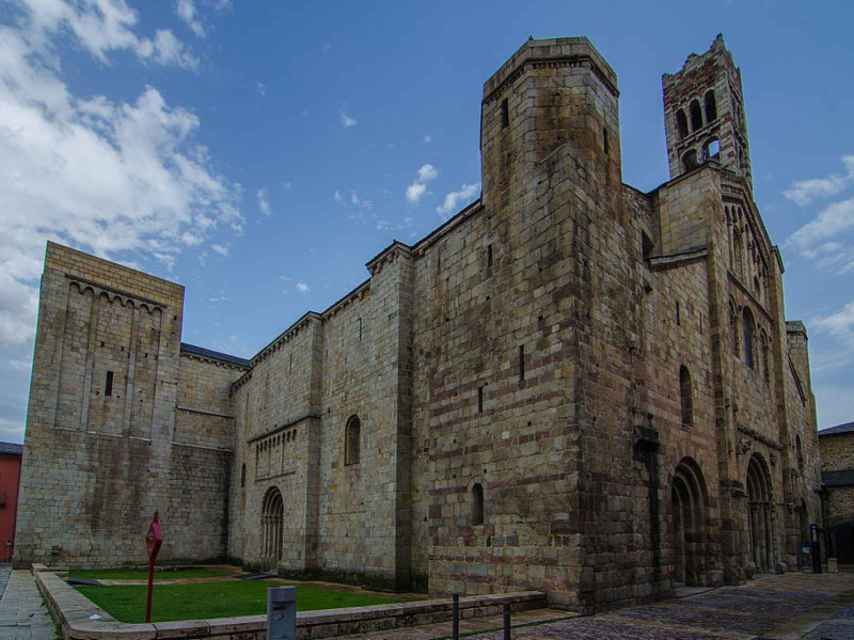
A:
[704,114]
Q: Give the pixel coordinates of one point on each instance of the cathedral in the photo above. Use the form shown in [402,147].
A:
[571,386]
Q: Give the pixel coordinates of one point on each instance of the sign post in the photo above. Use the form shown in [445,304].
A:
[153,540]
[282,613]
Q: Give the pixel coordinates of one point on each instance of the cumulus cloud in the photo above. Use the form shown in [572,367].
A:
[111,177]
[427,172]
[417,190]
[456,199]
[187,12]
[101,26]
[833,220]
[347,120]
[840,326]
[264,202]
[302,287]
[803,192]
[221,249]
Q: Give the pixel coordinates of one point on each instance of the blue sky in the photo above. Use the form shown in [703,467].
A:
[261,152]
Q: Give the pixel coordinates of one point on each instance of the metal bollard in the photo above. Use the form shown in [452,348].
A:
[456,624]
[282,613]
[506,622]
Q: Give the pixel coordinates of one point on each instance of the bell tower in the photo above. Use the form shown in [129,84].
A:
[704,117]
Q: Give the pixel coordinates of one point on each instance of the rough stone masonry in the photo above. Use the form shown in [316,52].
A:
[571,386]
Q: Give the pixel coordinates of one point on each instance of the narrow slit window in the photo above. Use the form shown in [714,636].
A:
[108,386]
[678,314]
[360,329]
[605,144]
[477,504]
[489,256]
[521,363]
[505,114]
[480,399]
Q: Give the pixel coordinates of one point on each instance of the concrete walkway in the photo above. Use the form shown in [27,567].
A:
[23,615]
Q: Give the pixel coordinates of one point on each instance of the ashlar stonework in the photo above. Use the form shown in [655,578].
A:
[571,386]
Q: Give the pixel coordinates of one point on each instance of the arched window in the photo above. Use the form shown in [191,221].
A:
[477,504]
[712,149]
[800,452]
[766,360]
[681,123]
[686,394]
[733,328]
[689,160]
[352,441]
[696,116]
[748,329]
[272,521]
[711,106]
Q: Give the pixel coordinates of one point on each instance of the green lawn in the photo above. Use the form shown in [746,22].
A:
[219,599]
[142,574]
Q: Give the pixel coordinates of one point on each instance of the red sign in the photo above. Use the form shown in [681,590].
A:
[153,540]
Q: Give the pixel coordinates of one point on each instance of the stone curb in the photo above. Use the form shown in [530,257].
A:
[74,612]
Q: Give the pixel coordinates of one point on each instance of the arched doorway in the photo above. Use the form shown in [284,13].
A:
[759,507]
[688,524]
[272,518]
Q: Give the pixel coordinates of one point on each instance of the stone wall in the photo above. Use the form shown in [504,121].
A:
[570,386]
[98,455]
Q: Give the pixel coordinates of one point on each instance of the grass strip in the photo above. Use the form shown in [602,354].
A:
[219,599]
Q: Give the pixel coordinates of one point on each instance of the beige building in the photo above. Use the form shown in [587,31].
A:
[571,386]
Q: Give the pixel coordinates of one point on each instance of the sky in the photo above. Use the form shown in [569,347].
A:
[260,153]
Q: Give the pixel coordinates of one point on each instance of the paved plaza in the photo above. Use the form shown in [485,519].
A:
[787,607]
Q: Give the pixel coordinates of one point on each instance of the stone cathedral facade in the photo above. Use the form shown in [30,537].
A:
[571,386]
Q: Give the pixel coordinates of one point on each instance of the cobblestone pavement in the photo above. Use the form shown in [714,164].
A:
[23,615]
[787,607]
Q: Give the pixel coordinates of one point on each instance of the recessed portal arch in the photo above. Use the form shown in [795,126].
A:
[759,517]
[272,520]
[688,524]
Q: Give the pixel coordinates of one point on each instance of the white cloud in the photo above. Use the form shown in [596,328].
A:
[427,172]
[302,287]
[261,88]
[355,201]
[456,199]
[840,326]
[223,5]
[264,202]
[100,26]
[415,192]
[824,231]
[187,12]
[110,177]
[803,192]
[217,299]
[220,249]
[428,139]
[348,120]
[168,50]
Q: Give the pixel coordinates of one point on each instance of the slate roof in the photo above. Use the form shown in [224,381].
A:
[839,429]
[838,478]
[214,355]
[10,448]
